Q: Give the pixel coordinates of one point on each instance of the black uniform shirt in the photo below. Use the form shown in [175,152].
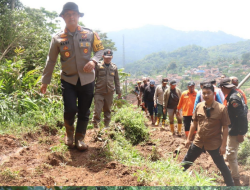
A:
[142,89]
[149,94]
[239,125]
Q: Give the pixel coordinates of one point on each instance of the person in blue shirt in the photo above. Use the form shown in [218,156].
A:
[199,97]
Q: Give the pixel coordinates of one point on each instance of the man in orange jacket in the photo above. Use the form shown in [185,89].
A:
[186,103]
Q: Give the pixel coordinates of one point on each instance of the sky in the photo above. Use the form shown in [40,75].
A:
[229,16]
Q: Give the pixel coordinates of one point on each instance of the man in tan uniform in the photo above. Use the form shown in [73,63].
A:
[107,81]
[158,101]
[211,119]
[74,45]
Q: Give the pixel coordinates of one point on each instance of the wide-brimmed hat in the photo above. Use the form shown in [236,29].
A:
[70,6]
[226,82]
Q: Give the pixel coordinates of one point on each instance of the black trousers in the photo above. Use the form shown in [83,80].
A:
[187,122]
[77,99]
[194,152]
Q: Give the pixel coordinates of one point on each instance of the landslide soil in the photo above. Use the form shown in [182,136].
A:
[35,164]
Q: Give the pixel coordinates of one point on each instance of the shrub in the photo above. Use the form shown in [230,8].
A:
[133,122]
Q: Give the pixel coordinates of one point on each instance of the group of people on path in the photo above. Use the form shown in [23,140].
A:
[214,118]
[81,74]
[218,116]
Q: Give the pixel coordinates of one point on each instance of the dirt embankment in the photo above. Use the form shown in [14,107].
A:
[36,164]
[30,161]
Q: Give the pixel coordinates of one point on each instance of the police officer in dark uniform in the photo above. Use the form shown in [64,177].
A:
[75,45]
[237,110]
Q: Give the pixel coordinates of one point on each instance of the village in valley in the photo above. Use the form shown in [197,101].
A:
[203,72]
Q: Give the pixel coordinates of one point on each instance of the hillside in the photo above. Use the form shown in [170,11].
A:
[188,56]
[149,39]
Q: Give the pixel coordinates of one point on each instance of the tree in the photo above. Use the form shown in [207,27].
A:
[172,66]
[107,43]
[30,29]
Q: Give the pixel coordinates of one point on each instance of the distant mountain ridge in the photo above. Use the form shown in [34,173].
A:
[149,39]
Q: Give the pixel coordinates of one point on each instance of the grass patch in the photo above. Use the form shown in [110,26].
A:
[133,122]
[45,140]
[157,172]
[244,150]
[8,175]
[60,148]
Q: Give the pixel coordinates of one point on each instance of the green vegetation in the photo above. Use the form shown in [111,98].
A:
[8,175]
[158,171]
[189,57]
[133,123]
[244,150]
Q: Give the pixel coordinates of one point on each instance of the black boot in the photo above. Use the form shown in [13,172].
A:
[80,134]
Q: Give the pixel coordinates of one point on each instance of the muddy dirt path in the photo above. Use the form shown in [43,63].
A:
[37,165]
[33,163]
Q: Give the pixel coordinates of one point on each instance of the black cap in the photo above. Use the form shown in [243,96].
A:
[226,82]
[202,82]
[164,80]
[70,6]
[108,53]
[173,82]
[213,81]
[191,83]
[152,82]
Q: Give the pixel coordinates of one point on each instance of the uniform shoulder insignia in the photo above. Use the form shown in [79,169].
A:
[235,96]
[114,65]
[239,95]
[99,64]
[59,33]
[86,29]
[234,103]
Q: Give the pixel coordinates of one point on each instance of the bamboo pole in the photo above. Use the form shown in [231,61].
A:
[243,81]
